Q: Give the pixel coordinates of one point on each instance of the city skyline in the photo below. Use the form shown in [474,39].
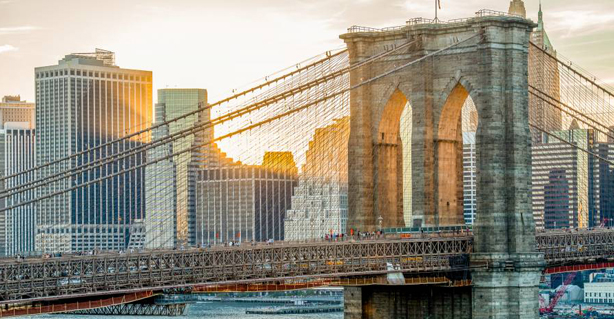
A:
[455,167]
[230,59]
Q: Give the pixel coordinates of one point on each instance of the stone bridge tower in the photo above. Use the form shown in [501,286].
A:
[492,68]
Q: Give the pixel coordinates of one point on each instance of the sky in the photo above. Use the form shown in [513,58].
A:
[221,45]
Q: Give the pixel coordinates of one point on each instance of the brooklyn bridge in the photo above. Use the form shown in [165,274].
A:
[521,91]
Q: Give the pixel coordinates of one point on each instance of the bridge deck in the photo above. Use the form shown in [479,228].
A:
[81,276]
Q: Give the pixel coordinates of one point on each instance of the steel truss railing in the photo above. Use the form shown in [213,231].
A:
[54,278]
[576,247]
[82,276]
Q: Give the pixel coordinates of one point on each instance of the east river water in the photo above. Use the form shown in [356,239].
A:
[217,310]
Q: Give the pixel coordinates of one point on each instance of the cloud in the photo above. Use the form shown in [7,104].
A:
[7,48]
[18,29]
[581,22]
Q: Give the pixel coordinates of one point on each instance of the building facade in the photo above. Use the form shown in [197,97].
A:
[19,222]
[169,194]
[544,76]
[320,201]
[82,102]
[17,225]
[602,182]
[244,203]
[13,109]
[17,115]
[600,289]
[561,179]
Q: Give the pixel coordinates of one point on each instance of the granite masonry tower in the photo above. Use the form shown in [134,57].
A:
[485,58]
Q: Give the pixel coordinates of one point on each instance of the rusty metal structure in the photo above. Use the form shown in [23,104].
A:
[136,309]
[564,247]
[70,277]
[70,306]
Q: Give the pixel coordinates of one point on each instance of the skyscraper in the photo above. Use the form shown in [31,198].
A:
[561,175]
[169,183]
[544,77]
[84,101]
[602,182]
[16,153]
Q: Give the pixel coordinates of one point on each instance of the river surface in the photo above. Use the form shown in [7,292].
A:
[217,310]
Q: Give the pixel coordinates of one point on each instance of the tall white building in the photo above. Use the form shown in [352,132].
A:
[17,225]
[17,149]
[84,101]
[170,183]
[16,154]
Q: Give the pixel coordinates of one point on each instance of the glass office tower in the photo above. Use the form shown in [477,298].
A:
[169,182]
[84,101]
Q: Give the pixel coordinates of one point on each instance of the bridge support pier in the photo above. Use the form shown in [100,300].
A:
[411,302]
[506,286]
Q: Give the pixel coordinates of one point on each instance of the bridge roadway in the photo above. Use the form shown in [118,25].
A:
[68,277]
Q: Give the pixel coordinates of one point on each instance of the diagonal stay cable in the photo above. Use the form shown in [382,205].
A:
[571,68]
[575,116]
[191,130]
[200,109]
[225,100]
[247,128]
[573,145]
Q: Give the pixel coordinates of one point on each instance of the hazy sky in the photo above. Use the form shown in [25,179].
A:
[225,44]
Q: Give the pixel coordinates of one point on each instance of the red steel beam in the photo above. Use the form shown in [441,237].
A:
[574,268]
[77,305]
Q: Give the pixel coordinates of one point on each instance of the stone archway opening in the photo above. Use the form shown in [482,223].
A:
[455,161]
[388,153]
[406,139]
[470,123]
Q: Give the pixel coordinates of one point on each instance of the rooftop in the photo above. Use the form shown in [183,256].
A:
[12,98]
[99,57]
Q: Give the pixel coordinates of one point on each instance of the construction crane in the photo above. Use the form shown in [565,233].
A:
[558,294]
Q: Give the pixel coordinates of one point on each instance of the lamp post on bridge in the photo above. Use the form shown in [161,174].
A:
[380,219]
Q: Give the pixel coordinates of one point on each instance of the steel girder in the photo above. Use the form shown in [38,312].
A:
[576,247]
[80,276]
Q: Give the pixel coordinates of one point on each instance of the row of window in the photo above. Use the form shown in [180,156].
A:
[104,75]
[599,300]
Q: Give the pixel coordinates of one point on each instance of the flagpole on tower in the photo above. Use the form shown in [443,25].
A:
[437,8]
